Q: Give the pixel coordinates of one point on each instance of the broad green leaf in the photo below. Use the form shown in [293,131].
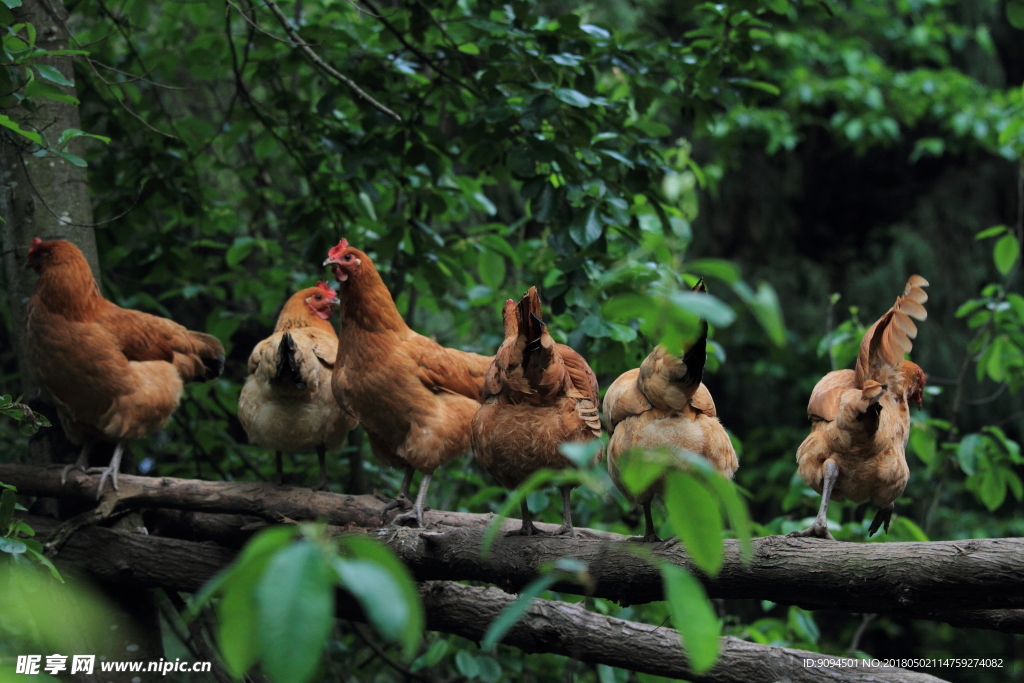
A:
[490,670]
[923,442]
[11,545]
[466,664]
[469,49]
[410,631]
[37,88]
[735,510]
[969,451]
[491,266]
[52,74]
[706,306]
[694,514]
[6,122]
[765,306]
[1005,253]
[727,271]
[1015,14]
[297,588]
[639,469]
[693,616]
[511,614]
[432,657]
[71,133]
[992,490]
[572,97]
[586,228]
[802,622]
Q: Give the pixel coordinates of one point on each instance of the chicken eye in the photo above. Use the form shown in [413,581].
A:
[348,257]
[318,297]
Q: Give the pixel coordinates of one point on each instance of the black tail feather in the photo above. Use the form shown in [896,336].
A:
[287,364]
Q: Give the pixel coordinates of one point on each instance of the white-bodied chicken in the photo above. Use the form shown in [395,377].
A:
[287,403]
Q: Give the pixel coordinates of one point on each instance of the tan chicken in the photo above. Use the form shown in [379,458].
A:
[860,419]
[414,397]
[114,374]
[664,403]
[287,403]
[539,394]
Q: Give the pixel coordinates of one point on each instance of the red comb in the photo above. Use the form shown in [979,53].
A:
[336,251]
[509,301]
[35,243]
[326,288]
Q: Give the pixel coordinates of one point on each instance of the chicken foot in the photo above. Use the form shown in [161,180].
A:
[321,455]
[527,529]
[110,470]
[417,509]
[402,499]
[81,464]
[883,516]
[820,526]
[279,477]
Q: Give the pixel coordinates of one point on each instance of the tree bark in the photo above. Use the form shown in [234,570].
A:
[547,626]
[971,583]
[44,197]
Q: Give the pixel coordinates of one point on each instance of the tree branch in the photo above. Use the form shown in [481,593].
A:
[547,626]
[972,583]
[319,61]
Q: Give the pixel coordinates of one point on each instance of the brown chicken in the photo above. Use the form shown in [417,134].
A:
[114,374]
[287,403]
[414,397]
[664,403]
[860,419]
[539,394]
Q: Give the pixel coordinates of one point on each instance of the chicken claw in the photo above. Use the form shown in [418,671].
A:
[882,517]
[417,509]
[81,464]
[110,470]
[402,499]
[566,528]
[527,528]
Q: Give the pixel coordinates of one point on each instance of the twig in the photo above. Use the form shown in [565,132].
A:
[132,77]
[260,28]
[318,61]
[988,399]
[368,640]
[865,621]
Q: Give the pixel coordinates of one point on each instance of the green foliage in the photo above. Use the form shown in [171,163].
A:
[287,576]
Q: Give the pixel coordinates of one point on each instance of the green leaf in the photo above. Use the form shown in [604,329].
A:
[572,97]
[705,306]
[923,442]
[727,271]
[491,266]
[1005,253]
[466,664]
[379,594]
[639,469]
[968,452]
[735,510]
[6,122]
[693,616]
[586,227]
[71,133]
[410,631]
[511,614]
[297,588]
[993,489]
[803,624]
[990,232]
[765,307]
[694,514]
[469,48]
[1015,14]
[52,74]
[11,545]
[11,4]
[68,156]
[241,248]
[37,88]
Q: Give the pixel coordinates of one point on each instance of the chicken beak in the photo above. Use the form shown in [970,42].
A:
[330,261]
[334,302]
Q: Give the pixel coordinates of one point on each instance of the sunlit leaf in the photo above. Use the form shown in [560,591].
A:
[693,616]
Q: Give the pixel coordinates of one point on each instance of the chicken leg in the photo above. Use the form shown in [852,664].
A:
[321,454]
[110,470]
[650,536]
[279,477]
[527,529]
[402,499]
[820,526]
[417,509]
[566,527]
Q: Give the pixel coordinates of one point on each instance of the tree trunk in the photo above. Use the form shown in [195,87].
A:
[48,197]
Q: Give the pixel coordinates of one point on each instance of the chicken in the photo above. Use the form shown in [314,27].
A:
[114,374]
[287,403]
[860,419]
[414,397]
[539,394]
[664,403]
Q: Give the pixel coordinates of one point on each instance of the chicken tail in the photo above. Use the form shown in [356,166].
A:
[892,335]
[288,369]
[210,353]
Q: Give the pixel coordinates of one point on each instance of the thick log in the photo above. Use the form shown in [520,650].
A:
[547,626]
[967,583]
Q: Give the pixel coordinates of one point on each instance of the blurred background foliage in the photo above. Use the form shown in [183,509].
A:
[804,156]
